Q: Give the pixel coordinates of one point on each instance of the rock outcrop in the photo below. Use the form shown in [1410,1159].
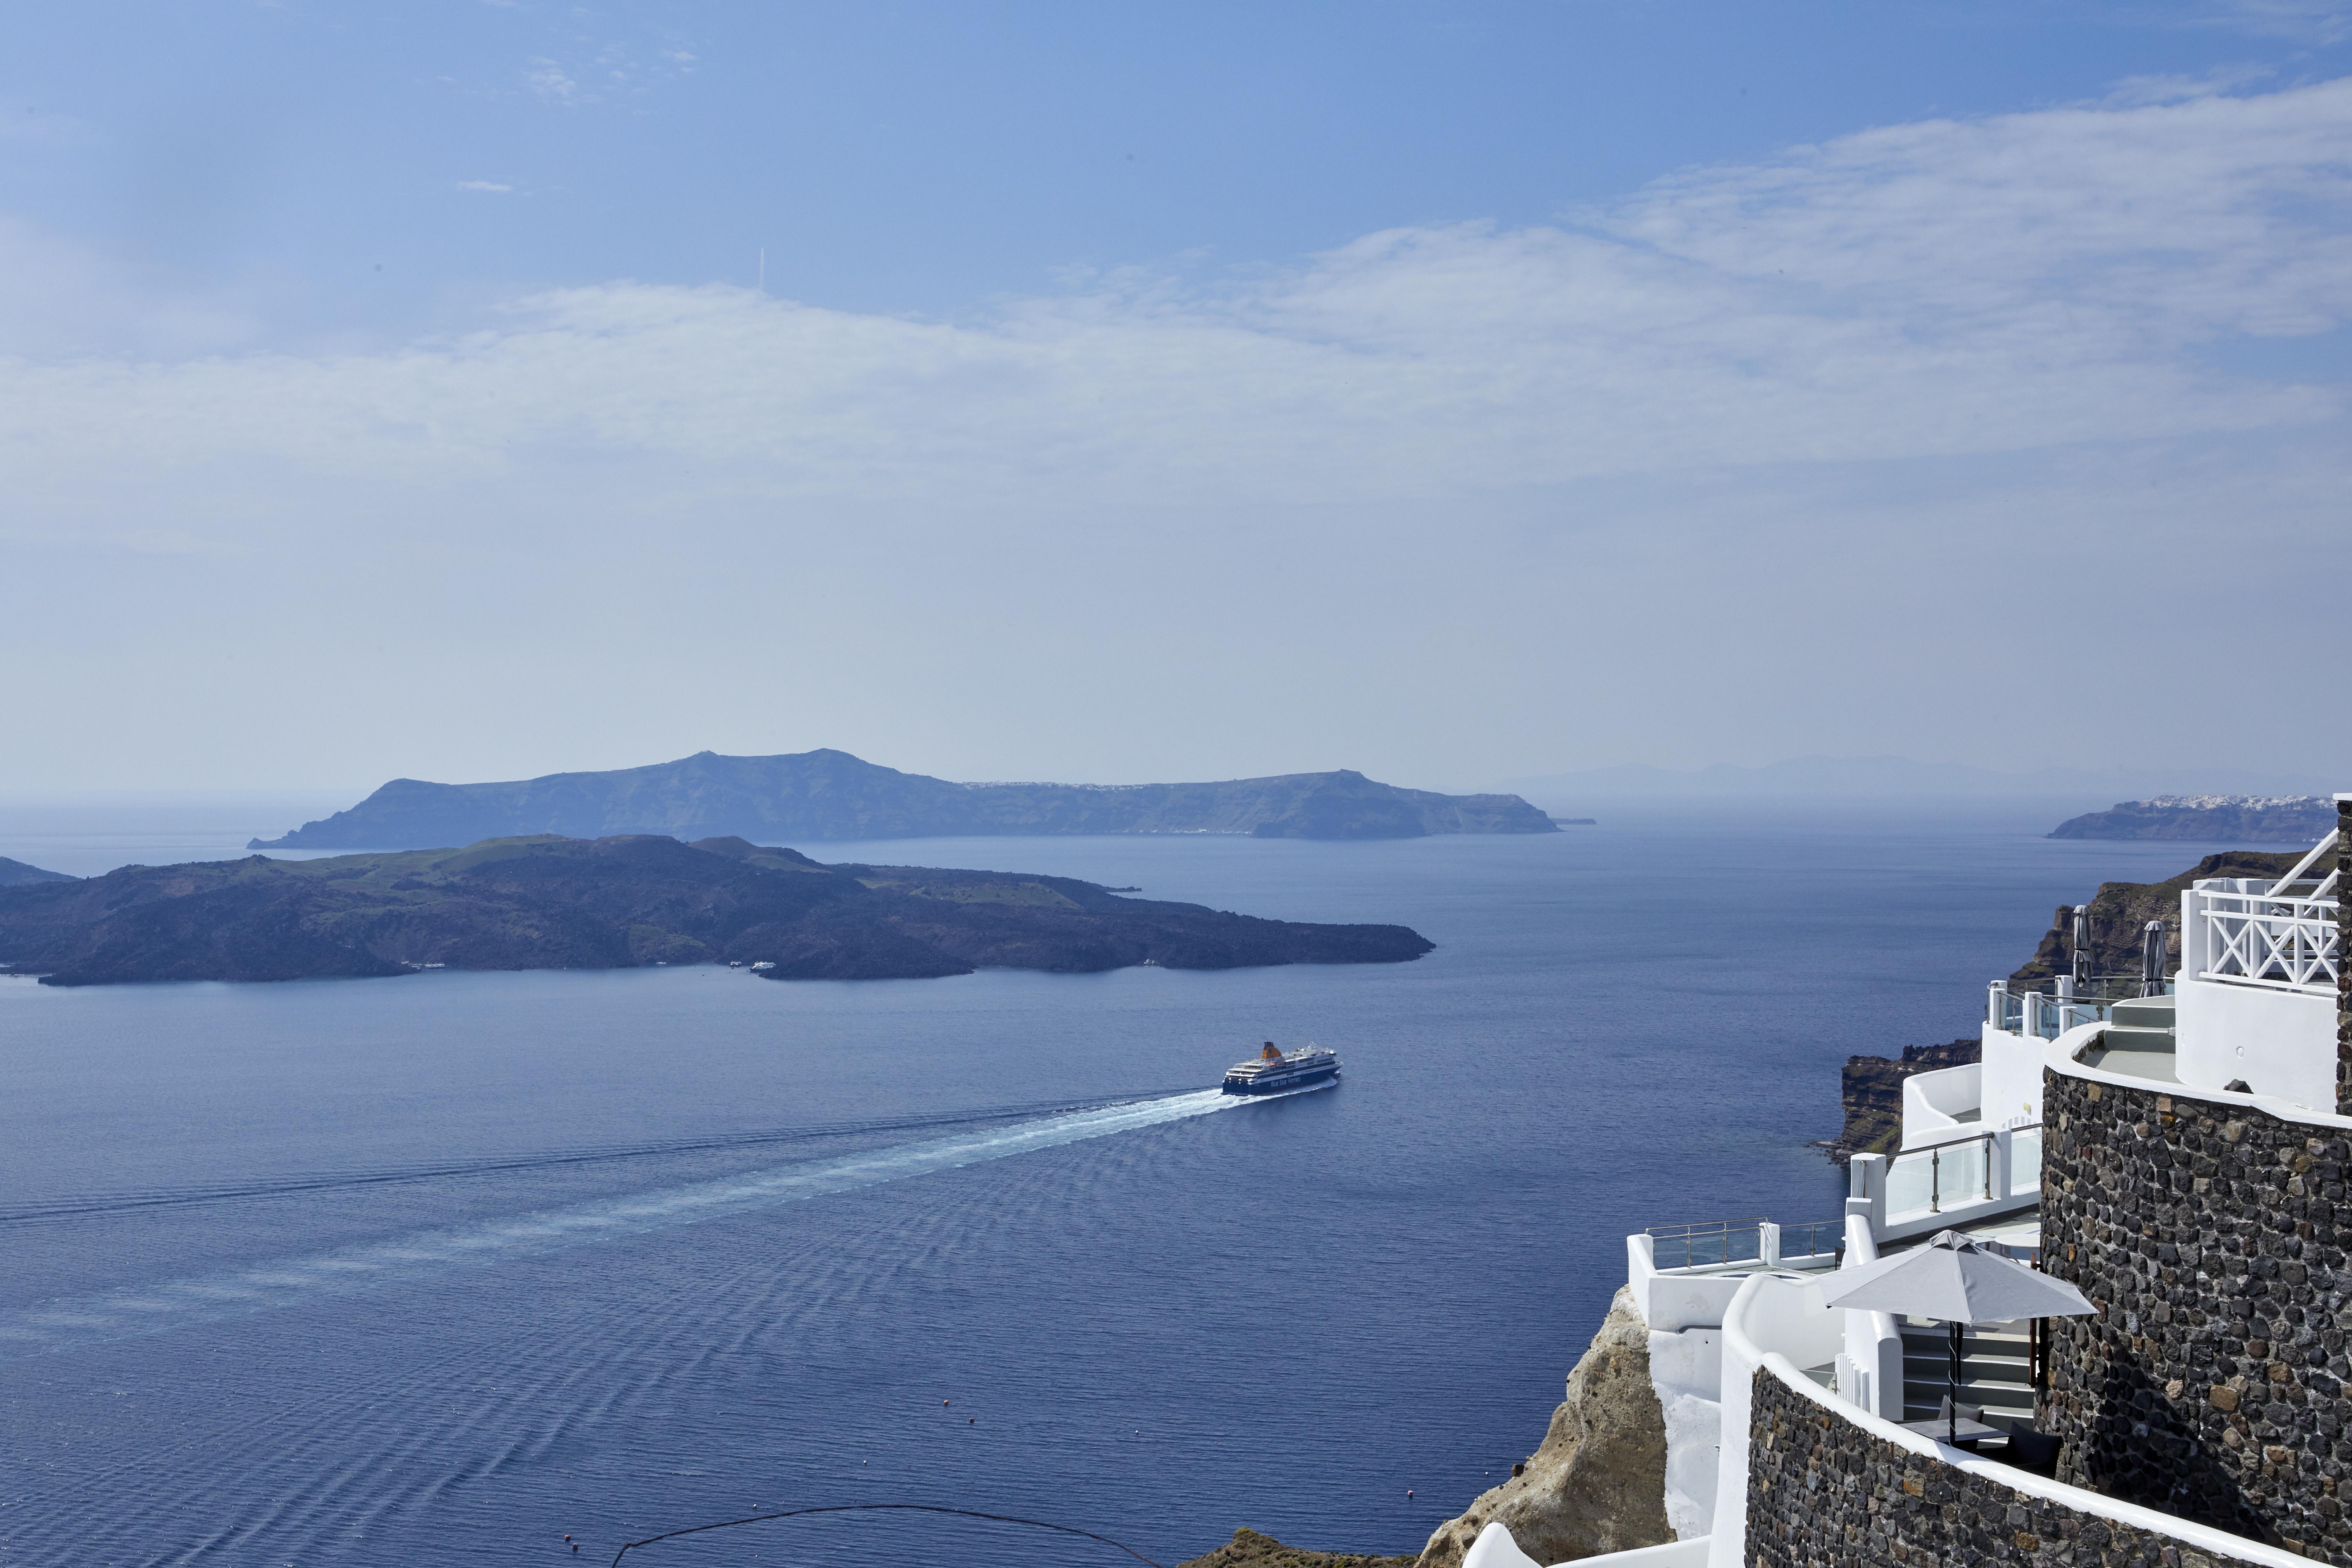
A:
[1248,1549]
[626,902]
[1598,1482]
[1872,1093]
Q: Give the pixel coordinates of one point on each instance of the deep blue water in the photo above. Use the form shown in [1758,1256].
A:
[434,1270]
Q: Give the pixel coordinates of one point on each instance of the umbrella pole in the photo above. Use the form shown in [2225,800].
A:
[1952,1403]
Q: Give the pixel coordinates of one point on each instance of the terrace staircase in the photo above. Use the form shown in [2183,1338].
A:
[1995,1372]
[2138,1042]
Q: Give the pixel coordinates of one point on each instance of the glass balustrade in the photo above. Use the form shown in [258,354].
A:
[2025,1159]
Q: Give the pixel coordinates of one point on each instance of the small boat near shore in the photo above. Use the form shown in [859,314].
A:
[1272,1072]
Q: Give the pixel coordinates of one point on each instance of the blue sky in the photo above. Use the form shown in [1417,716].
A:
[1457,391]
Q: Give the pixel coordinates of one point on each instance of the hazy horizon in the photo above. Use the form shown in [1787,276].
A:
[1790,779]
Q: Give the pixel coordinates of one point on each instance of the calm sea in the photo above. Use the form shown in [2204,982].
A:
[437,1270]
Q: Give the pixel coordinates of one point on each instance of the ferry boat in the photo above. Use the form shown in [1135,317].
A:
[1271,1072]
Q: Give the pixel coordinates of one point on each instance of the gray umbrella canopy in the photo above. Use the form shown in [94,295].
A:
[1954,1280]
[2151,959]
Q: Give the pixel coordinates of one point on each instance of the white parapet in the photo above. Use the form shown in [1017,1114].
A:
[1496,1549]
[1938,1104]
[2277,1042]
[2011,1087]
[1670,1300]
[1774,1316]
[1870,1363]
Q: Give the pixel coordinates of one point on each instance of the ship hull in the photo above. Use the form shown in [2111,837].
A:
[1278,1085]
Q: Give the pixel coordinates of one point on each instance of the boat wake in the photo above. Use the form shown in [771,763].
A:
[155,1308]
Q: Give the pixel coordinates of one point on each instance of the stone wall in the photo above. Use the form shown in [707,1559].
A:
[1824,1493]
[2213,1239]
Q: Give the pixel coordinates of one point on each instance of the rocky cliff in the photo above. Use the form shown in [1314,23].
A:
[827,795]
[1597,1481]
[1872,1092]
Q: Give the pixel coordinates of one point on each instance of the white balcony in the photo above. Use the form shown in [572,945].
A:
[1968,1177]
[2258,966]
[1684,1276]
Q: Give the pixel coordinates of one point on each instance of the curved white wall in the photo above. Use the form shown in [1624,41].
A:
[1934,1102]
[1772,1315]
[2282,1043]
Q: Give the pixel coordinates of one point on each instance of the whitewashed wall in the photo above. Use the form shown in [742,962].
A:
[2282,1043]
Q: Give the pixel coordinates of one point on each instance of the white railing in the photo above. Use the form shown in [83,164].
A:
[2248,931]
[2255,932]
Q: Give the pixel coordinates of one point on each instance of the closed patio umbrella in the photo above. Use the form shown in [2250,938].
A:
[1956,1281]
[2082,968]
[2151,960]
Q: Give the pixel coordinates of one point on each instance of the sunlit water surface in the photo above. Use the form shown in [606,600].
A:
[435,1271]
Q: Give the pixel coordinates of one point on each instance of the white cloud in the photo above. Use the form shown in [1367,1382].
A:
[598,72]
[2139,92]
[1942,288]
[489,186]
[58,297]
[550,81]
[2318,22]
[1844,451]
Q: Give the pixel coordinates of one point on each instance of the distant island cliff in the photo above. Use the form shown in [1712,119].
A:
[16,874]
[620,902]
[827,795]
[2209,818]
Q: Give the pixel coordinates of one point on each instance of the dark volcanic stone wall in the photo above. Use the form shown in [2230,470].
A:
[1824,1493]
[2213,1239]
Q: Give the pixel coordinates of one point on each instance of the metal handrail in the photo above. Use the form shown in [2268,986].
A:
[1959,1133]
[1935,1173]
[1709,1244]
[1692,1237]
[1813,1233]
[1705,1226]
